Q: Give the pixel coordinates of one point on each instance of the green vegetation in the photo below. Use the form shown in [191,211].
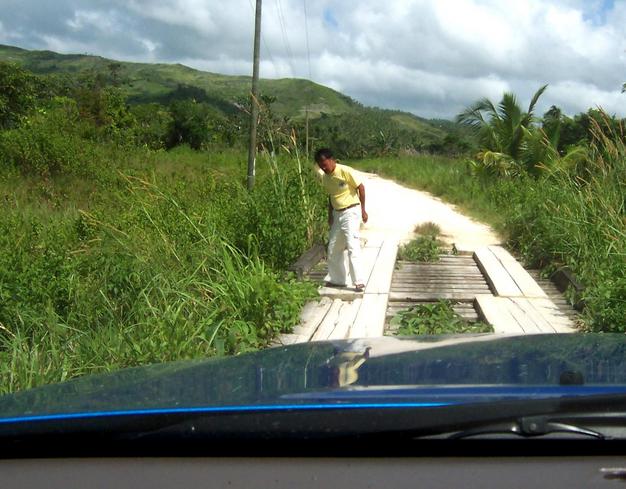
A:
[556,209]
[209,107]
[127,236]
[113,254]
[425,247]
[434,319]
[508,144]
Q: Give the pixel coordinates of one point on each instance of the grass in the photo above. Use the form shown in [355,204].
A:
[568,216]
[426,247]
[148,257]
[434,319]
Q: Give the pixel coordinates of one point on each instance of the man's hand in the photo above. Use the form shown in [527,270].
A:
[361,189]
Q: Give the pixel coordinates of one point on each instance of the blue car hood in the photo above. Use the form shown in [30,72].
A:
[383,372]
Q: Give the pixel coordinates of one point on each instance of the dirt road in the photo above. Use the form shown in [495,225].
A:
[394,211]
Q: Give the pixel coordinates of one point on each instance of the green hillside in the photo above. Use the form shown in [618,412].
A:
[144,83]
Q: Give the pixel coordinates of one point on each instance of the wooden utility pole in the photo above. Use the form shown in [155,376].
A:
[254,113]
[307,131]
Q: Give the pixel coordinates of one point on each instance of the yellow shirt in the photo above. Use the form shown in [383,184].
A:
[341,186]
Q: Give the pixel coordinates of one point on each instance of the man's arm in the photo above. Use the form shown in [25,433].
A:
[330,213]
[361,189]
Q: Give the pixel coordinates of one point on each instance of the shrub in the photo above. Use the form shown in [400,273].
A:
[46,145]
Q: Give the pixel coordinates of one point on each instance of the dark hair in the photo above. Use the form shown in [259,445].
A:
[323,154]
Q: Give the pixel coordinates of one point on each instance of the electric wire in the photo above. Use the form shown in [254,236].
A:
[267,49]
[306,30]
[285,36]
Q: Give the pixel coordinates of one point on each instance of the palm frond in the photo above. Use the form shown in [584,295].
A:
[473,115]
[533,101]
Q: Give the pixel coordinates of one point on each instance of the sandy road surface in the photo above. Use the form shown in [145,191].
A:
[394,211]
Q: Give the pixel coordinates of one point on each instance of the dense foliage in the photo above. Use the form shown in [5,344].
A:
[571,213]
[113,254]
[204,109]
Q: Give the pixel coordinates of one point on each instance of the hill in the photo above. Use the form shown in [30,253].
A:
[146,82]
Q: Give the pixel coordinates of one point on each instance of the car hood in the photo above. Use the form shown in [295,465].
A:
[429,371]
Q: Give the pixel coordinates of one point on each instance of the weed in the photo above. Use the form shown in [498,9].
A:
[434,319]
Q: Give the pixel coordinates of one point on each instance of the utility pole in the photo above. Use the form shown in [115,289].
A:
[307,131]
[254,113]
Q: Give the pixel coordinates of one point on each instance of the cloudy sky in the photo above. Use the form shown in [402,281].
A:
[429,57]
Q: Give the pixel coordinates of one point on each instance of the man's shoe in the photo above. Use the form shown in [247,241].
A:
[336,286]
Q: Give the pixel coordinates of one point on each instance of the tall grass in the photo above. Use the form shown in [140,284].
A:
[148,257]
[573,215]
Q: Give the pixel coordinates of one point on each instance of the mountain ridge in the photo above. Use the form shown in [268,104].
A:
[161,82]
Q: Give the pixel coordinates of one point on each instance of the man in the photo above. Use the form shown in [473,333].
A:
[346,209]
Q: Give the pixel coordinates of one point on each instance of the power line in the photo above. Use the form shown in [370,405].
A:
[308,57]
[281,21]
[306,30]
[267,49]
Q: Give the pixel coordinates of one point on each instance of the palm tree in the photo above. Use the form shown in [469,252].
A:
[503,130]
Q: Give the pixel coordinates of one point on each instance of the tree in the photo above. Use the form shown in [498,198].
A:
[17,94]
[196,124]
[503,131]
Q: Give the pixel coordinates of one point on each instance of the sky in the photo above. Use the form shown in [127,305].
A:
[430,57]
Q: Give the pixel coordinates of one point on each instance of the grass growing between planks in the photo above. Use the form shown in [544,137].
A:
[434,319]
[426,247]
[573,214]
[146,257]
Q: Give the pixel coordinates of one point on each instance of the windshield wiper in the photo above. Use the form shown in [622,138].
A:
[533,426]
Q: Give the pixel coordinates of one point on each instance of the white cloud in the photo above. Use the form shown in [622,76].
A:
[430,57]
[575,95]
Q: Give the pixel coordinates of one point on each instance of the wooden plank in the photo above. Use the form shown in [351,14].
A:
[445,259]
[370,320]
[435,268]
[521,277]
[500,281]
[380,279]
[346,320]
[407,305]
[443,287]
[527,305]
[311,317]
[430,297]
[308,260]
[438,276]
[328,324]
[549,311]
[369,257]
[491,309]
[525,321]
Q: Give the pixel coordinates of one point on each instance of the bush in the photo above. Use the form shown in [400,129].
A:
[17,94]
[148,272]
[46,145]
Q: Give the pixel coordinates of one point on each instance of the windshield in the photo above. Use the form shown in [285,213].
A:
[309,206]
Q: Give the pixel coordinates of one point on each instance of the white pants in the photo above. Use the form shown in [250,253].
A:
[345,234]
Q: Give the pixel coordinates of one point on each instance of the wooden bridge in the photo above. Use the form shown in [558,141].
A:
[488,284]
